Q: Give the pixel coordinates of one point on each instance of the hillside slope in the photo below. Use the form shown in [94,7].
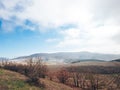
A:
[14,81]
[95,63]
[117,60]
[50,85]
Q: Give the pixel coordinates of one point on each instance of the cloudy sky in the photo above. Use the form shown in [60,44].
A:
[34,26]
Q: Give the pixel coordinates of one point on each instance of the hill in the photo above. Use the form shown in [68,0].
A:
[3,59]
[116,60]
[14,81]
[68,57]
[10,80]
[88,60]
[95,63]
[50,85]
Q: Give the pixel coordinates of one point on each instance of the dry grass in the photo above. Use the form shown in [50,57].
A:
[50,85]
[14,81]
[88,63]
[56,67]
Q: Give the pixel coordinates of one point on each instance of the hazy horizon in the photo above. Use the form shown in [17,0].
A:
[13,57]
[47,26]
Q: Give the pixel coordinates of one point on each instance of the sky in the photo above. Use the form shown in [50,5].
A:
[39,26]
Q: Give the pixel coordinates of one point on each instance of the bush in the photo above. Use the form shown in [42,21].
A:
[62,75]
[34,69]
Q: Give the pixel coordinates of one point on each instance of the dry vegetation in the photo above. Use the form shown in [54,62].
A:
[14,81]
[38,75]
[89,77]
[51,85]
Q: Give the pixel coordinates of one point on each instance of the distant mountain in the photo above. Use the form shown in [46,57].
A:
[88,60]
[116,60]
[2,58]
[69,57]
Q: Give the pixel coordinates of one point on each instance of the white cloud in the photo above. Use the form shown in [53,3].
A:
[97,21]
[57,12]
[12,8]
[96,39]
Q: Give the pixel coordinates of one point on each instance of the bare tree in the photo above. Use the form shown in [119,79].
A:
[116,80]
[63,75]
[36,69]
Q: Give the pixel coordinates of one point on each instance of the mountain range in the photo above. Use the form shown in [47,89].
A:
[3,58]
[68,57]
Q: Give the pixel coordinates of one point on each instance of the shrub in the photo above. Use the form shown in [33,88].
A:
[62,75]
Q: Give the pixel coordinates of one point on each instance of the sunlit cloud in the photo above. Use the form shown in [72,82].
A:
[90,25]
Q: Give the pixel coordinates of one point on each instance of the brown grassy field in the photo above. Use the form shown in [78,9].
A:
[97,63]
[76,76]
[14,81]
[91,75]
[10,80]
[87,63]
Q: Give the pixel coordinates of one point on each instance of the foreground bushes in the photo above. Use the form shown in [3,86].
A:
[63,75]
[83,77]
[89,77]
[95,77]
[34,69]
